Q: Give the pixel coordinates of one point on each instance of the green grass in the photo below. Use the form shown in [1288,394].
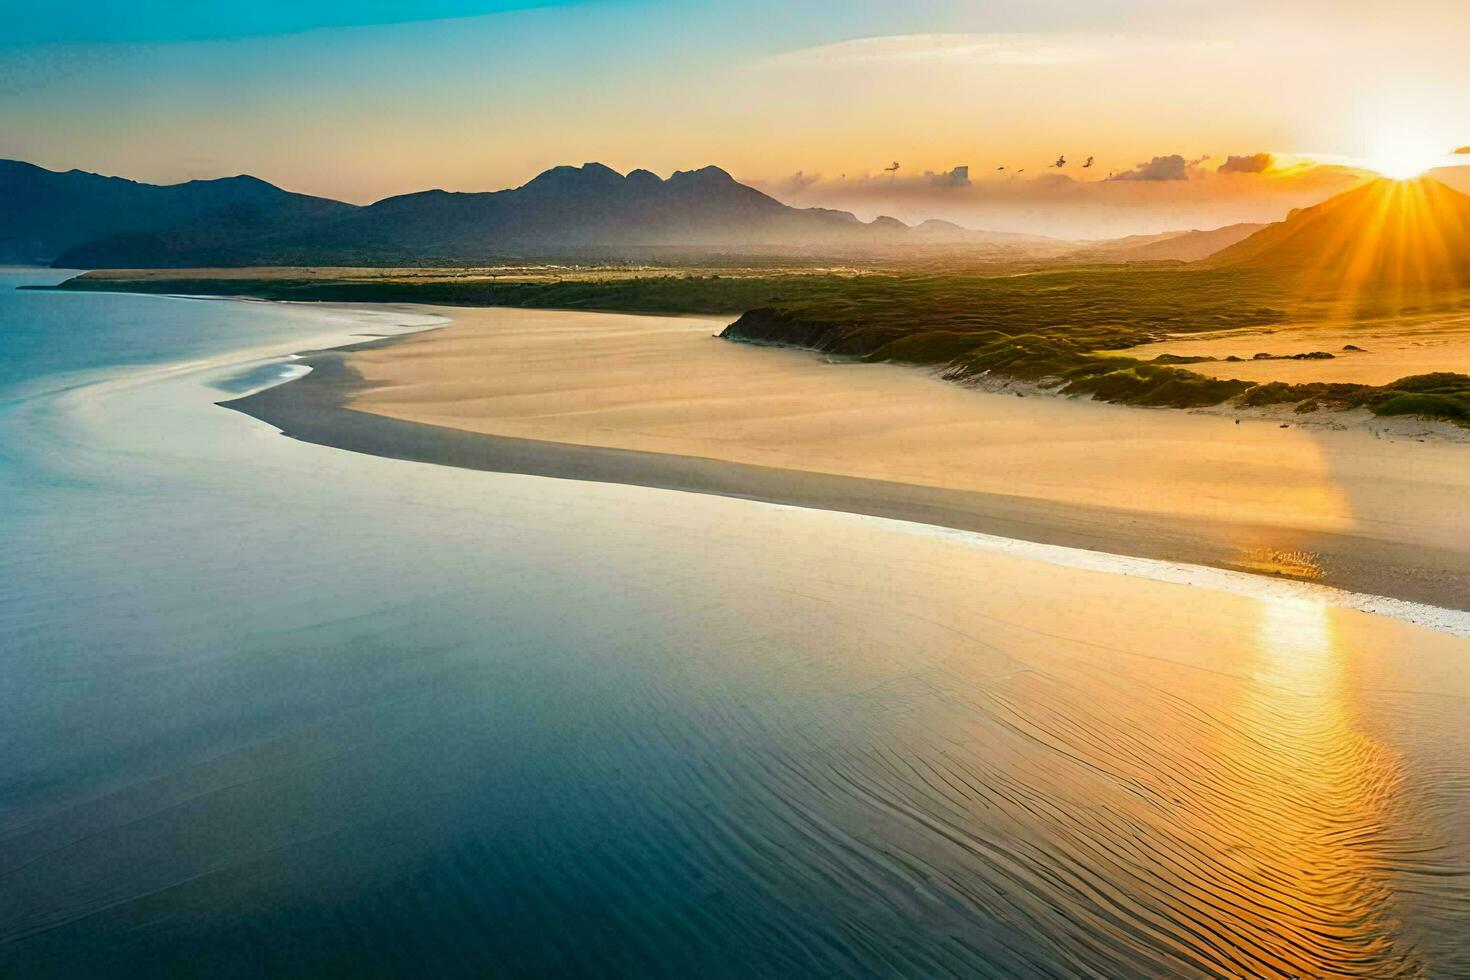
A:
[1440,395]
[1452,407]
[1063,329]
[652,294]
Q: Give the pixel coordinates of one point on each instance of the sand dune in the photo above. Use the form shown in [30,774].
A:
[666,385]
[661,402]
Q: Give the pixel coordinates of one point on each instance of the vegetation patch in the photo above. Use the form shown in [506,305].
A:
[1442,395]
[1046,328]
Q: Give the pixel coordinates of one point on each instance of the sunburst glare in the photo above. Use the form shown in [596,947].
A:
[1401,153]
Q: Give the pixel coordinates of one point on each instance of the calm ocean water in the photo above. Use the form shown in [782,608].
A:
[272,709]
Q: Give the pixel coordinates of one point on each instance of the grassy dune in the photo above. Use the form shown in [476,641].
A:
[1062,329]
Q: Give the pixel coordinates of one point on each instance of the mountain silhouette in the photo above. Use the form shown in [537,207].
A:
[588,211]
[44,213]
[574,207]
[1412,233]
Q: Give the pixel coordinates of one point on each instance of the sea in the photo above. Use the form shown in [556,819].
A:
[276,709]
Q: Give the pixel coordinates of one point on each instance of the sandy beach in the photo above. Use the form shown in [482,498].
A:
[662,402]
[315,691]
[550,488]
[1371,352]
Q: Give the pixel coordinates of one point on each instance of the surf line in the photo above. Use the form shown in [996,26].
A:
[1454,622]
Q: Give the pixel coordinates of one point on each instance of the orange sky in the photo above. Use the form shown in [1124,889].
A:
[764,89]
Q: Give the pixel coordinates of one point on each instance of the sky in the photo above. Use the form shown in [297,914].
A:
[810,101]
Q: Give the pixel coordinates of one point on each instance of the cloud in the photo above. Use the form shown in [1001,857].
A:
[798,181]
[1463,151]
[1252,163]
[1172,167]
[1053,203]
[958,177]
[927,50]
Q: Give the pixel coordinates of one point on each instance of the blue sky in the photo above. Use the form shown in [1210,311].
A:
[363,100]
[131,21]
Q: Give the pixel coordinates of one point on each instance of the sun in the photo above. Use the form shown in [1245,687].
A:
[1402,154]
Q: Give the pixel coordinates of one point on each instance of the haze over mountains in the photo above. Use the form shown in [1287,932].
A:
[1411,232]
[80,220]
[1177,246]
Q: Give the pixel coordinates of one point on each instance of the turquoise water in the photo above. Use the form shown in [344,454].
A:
[268,708]
[50,336]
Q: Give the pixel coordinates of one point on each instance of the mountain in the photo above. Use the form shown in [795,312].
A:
[1179,246]
[936,231]
[580,207]
[590,211]
[1402,233]
[43,213]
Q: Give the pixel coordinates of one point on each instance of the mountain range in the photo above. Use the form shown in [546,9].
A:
[82,220]
[43,214]
[1406,232]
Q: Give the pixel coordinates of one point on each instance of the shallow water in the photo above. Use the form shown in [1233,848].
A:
[267,707]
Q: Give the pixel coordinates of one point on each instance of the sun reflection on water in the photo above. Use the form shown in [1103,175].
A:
[1315,818]
[1296,649]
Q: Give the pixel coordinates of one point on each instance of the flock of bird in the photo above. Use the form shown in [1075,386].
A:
[1060,164]
[892,169]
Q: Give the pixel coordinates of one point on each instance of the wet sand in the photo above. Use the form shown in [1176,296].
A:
[661,402]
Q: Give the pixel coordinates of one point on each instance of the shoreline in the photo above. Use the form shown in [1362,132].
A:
[436,288]
[316,408]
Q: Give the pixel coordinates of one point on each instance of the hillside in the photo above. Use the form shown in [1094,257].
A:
[571,207]
[1186,246]
[1411,233]
[44,214]
[584,212]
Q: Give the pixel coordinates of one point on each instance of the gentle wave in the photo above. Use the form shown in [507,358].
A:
[1455,622]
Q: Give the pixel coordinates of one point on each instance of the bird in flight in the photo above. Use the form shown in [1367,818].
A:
[1087,164]
[1061,162]
[891,169]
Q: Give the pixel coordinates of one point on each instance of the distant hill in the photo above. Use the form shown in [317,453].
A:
[937,231]
[576,208]
[44,214]
[1179,246]
[588,211]
[1407,233]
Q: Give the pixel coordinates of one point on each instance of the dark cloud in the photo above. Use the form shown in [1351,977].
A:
[958,177]
[1251,163]
[1172,167]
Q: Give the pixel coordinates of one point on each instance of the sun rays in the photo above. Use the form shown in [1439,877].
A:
[1383,246]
